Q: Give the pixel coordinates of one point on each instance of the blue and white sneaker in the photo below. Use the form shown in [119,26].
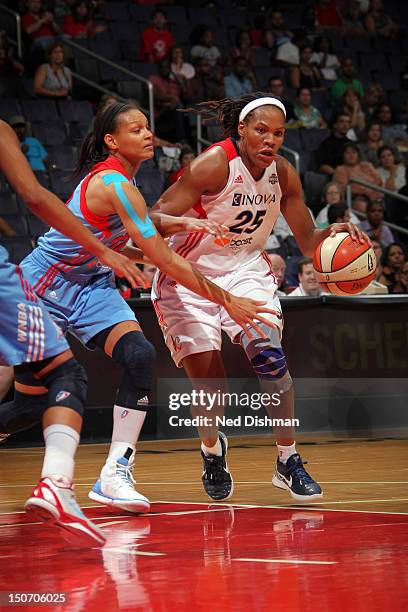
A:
[217,479]
[115,486]
[293,477]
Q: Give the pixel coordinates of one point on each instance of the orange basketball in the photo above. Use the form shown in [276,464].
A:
[344,266]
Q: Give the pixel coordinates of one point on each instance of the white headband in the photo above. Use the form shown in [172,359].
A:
[260,102]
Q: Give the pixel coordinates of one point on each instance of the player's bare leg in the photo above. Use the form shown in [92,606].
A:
[6,380]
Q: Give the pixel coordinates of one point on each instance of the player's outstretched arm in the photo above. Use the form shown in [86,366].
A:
[51,209]
[126,200]
[298,217]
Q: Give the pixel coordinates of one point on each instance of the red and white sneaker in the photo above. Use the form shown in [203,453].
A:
[53,501]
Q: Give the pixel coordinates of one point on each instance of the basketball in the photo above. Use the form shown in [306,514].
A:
[344,266]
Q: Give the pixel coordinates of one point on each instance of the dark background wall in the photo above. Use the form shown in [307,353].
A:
[349,359]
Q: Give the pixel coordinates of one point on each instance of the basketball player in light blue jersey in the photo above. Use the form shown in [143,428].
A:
[32,343]
[80,292]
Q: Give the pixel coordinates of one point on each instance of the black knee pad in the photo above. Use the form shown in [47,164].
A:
[137,356]
[67,386]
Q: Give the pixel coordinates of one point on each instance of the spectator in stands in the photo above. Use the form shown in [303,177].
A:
[391,131]
[307,114]
[310,29]
[403,276]
[350,105]
[360,201]
[306,74]
[353,167]
[39,25]
[391,173]
[203,45]
[157,40]
[394,259]
[54,79]
[31,147]
[352,19]
[332,195]
[327,14]
[167,96]
[329,155]
[308,283]
[203,86]
[374,225]
[378,250]
[243,48]
[239,82]
[324,58]
[275,86]
[279,32]
[80,23]
[186,156]
[373,97]
[377,23]
[338,213]
[261,36]
[370,142]
[346,80]
[278,266]
[11,68]
[180,68]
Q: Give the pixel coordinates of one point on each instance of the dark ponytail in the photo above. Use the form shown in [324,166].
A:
[93,148]
[227,111]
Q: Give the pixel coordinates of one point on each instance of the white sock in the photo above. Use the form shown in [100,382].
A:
[286,451]
[127,424]
[61,442]
[212,450]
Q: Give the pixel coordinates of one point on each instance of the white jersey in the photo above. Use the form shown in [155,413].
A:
[248,207]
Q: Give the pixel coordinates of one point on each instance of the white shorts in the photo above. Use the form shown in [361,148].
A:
[192,324]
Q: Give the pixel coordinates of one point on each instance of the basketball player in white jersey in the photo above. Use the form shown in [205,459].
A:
[243,184]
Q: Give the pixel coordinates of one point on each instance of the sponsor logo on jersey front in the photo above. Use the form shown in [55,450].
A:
[248,199]
[239,180]
[273,179]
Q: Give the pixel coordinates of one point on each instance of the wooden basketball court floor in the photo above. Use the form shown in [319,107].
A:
[259,551]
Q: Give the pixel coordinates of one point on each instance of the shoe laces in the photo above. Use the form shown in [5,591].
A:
[214,467]
[298,470]
[124,473]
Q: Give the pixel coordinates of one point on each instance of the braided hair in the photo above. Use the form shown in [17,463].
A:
[227,111]
[93,149]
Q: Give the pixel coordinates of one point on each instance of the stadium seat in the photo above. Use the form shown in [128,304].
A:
[110,74]
[40,110]
[313,183]
[8,202]
[150,181]
[76,110]
[133,89]
[36,227]
[50,133]
[18,247]
[78,131]
[116,11]
[62,183]
[110,51]
[9,107]
[17,222]
[63,156]
[122,31]
[311,138]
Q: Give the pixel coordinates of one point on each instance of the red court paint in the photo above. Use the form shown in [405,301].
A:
[187,557]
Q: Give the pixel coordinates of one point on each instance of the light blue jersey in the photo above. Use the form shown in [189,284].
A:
[76,288]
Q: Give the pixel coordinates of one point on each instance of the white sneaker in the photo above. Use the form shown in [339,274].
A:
[53,501]
[116,488]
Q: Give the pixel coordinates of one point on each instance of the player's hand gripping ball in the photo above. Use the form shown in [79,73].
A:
[344,266]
